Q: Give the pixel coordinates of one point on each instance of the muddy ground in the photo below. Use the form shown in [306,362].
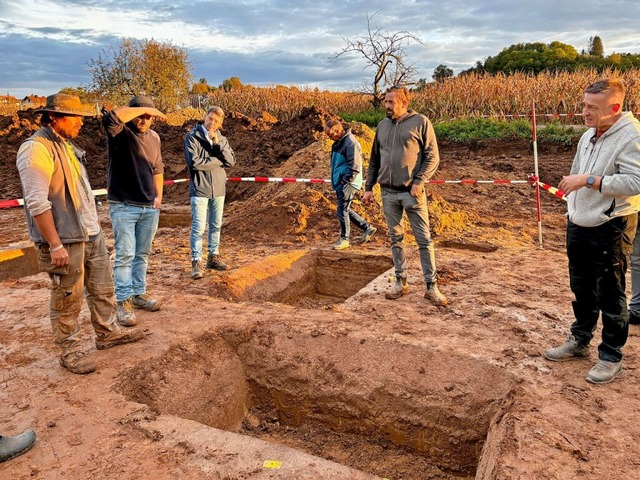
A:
[293,365]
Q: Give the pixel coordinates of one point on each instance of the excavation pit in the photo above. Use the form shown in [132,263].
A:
[425,414]
[303,278]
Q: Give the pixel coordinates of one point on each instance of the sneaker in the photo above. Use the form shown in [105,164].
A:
[118,337]
[215,263]
[11,447]
[368,233]
[145,302]
[196,269]
[78,362]
[126,317]
[342,244]
[434,296]
[398,289]
[634,319]
[569,350]
[604,371]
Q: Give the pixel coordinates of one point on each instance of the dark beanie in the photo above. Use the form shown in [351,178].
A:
[141,101]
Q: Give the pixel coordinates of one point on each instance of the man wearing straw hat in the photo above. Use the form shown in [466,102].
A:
[63,223]
[603,199]
[134,194]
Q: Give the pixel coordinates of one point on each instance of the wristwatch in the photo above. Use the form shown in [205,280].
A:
[590,181]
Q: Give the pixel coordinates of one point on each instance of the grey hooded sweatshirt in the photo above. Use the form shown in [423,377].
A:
[403,153]
[615,156]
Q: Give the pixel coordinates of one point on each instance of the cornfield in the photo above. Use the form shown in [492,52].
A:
[466,96]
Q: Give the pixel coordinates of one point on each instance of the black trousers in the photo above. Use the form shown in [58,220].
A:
[598,259]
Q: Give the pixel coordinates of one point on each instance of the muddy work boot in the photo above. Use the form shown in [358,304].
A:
[11,447]
[78,362]
[341,244]
[126,317]
[569,350]
[434,296]
[604,371]
[196,270]
[368,233]
[118,337]
[145,302]
[399,289]
[214,262]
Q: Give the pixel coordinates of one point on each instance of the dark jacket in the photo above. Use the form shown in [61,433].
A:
[206,163]
[403,153]
[134,159]
[346,162]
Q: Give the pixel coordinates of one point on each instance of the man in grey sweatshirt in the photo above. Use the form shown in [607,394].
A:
[603,198]
[404,155]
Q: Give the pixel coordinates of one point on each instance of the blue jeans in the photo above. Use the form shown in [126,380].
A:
[345,214]
[209,210]
[634,304]
[393,205]
[134,227]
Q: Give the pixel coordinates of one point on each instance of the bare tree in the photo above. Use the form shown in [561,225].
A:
[385,53]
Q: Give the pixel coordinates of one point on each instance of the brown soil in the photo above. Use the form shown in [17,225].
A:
[294,356]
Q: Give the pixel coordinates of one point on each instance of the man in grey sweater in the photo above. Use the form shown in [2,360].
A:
[603,198]
[404,155]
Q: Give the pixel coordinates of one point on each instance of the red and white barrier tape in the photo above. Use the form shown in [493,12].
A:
[103,191]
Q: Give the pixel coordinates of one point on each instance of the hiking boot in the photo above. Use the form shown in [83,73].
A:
[145,302]
[634,319]
[569,350]
[368,233]
[342,244]
[434,296]
[398,289]
[118,337]
[604,371]
[78,362]
[11,447]
[196,270]
[126,317]
[215,263]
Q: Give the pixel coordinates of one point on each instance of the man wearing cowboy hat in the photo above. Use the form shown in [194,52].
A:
[134,196]
[63,223]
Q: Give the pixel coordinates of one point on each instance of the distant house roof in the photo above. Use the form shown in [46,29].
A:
[34,100]
[9,99]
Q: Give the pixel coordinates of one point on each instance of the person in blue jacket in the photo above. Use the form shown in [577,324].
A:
[346,180]
[207,153]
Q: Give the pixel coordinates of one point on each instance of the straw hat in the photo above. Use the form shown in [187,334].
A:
[64,104]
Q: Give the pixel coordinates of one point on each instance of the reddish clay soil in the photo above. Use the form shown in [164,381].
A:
[293,365]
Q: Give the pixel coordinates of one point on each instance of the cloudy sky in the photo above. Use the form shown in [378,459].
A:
[45,44]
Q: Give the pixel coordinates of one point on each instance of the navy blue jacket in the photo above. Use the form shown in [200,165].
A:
[346,162]
[206,163]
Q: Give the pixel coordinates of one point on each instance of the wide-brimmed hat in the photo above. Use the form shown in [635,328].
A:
[64,104]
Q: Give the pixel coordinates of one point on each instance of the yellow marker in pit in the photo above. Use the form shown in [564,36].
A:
[272,464]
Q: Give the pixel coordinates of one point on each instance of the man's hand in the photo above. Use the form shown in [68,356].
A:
[157,202]
[571,183]
[59,258]
[416,190]
[368,197]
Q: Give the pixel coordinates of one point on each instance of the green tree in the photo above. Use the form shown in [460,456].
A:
[231,83]
[160,70]
[596,49]
[441,73]
[200,88]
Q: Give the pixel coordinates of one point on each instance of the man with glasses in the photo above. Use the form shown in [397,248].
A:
[135,183]
[207,153]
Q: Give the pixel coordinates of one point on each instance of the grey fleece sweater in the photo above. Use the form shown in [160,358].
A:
[615,156]
[403,153]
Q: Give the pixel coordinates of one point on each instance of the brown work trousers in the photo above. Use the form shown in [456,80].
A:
[88,268]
